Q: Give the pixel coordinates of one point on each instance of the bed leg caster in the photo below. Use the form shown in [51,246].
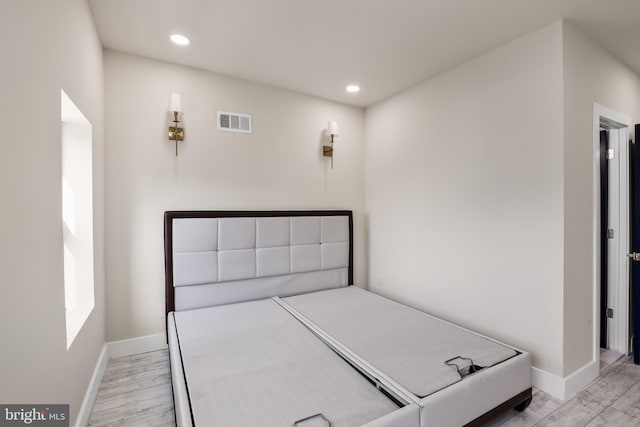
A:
[524,405]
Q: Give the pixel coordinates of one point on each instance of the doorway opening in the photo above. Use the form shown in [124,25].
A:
[611,278]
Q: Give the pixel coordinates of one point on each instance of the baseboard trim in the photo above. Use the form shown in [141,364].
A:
[109,350]
[567,387]
[137,345]
[92,390]
[580,378]
[548,383]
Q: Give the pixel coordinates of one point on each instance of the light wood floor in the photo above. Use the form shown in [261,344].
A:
[136,391]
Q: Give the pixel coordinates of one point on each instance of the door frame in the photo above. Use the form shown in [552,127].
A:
[620,342]
[605,204]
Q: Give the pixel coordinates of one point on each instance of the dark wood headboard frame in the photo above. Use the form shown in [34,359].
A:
[168,234]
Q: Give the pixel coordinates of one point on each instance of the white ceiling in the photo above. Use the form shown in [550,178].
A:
[318,47]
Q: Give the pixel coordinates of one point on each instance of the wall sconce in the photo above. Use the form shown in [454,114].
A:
[332,131]
[176,133]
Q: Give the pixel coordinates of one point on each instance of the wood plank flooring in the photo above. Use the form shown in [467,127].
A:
[136,391]
[612,400]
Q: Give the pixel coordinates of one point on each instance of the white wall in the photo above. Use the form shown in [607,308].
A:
[279,166]
[46,46]
[464,195]
[591,75]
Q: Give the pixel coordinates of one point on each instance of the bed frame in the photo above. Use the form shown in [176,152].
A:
[185,232]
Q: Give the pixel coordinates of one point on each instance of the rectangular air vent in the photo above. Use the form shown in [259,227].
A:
[234,122]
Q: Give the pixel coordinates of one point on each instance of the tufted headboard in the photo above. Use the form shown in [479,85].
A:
[223,257]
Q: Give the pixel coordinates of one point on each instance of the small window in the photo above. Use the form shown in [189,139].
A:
[77,217]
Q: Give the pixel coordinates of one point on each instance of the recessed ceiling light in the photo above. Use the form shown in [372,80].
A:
[353,88]
[179,39]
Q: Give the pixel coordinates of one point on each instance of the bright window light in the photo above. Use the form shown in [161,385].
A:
[180,39]
[353,88]
[77,217]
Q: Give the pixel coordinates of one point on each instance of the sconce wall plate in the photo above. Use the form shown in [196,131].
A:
[176,134]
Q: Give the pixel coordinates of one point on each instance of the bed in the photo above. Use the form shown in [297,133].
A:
[265,328]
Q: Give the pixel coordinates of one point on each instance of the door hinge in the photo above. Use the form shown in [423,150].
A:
[610,233]
[611,154]
[610,313]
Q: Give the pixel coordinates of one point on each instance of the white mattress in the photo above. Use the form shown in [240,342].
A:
[254,364]
[409,346]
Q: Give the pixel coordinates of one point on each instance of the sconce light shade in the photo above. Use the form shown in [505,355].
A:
[174,103]
[332,128]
